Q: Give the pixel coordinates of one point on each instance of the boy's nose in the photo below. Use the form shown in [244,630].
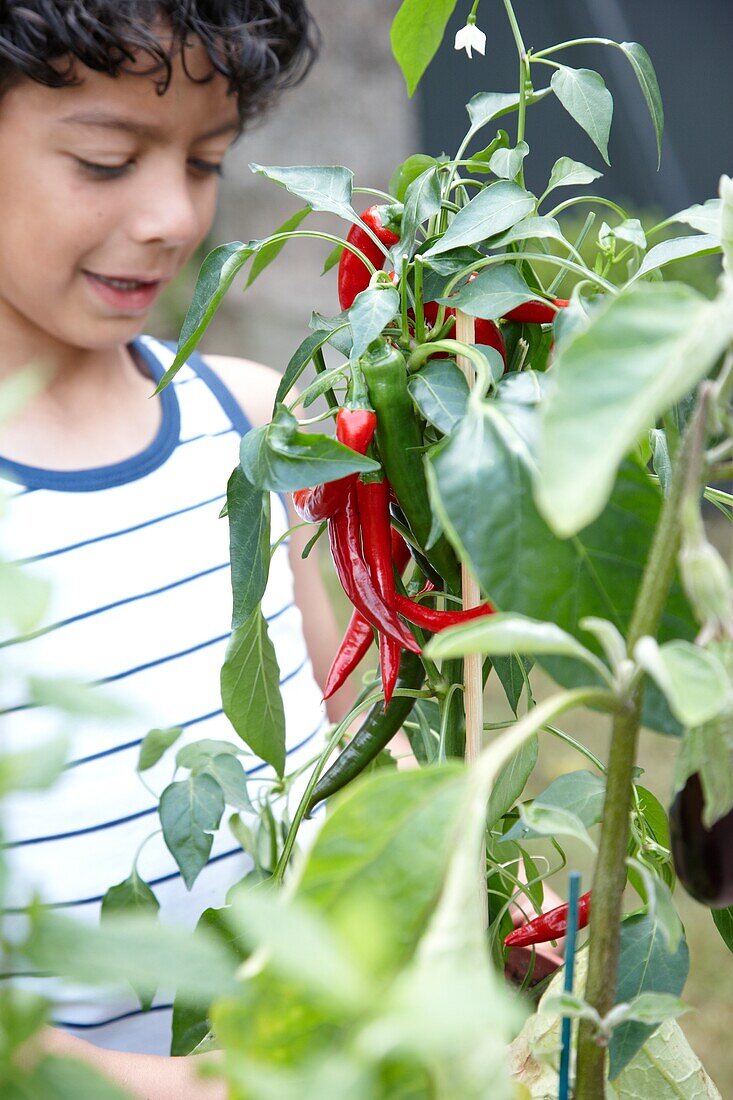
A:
[168,212]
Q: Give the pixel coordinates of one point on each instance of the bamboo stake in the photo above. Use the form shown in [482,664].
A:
[473,678]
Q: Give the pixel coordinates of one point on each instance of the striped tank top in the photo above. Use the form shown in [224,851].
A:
[138,561]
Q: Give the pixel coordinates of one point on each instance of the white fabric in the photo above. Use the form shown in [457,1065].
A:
[144,536]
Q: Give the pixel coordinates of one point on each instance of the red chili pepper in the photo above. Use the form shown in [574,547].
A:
[430,619]
[549,926]
[353,275]
[536,313]
[373,501]
[354,646]
[345,539]
[359,634]
[356,424]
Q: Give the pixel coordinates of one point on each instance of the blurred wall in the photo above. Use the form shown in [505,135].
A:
[689,42]
[353,110]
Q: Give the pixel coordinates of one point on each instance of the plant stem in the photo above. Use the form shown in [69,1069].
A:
[610,872]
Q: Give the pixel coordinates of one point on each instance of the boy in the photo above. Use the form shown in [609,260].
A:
[115,117]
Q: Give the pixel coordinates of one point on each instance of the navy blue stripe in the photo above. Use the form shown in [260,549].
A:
[160,660]
[118,473]
[207,435]
[113,1019]
[111,606]
[142,668]
[221,391]
[116,534]
[182,725]
[151,882]
[140,813]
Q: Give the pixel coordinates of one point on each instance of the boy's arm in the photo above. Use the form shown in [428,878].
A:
[143,1076]
[254,386]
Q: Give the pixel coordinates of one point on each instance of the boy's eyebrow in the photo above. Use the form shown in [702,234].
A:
[132,126]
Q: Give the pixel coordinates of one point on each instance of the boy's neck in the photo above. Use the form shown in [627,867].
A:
[95,411]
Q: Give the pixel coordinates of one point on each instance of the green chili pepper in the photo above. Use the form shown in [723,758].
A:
[378,729]
[400,448]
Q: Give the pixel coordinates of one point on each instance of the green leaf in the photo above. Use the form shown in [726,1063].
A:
[630,231]
[325,188]
[507,163]
[608,637]
[580,793]
[552,821]
[33,769]
[509,671]
[723,921]
[199,753]
[422,201]
[693,679]
[386,840]
[493,292]
[485,106]
[659,905]
[231,777]
[653,1008]
[300,359]
[269,252]
[644,70]
[679,248]
[704,217]
[408,171]
[530,229]
[567,172]
[250,690]
[216,275]
[191,1024]
[249,544]
[480,486]
[641,352]
[190,811]
[24,598]
[493,210]
[655,815]
[300,946]
[74,698]
[586,98]
[645,966]
[134,949]
[155,744]
[440,392]
[332,259]
[511,781]
[506,634]
[373,308]
[417,31]
[132,895]
[282,458]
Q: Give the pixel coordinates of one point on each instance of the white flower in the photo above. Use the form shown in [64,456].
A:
[471,38]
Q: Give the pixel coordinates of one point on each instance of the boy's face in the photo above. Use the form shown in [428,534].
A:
[65,224]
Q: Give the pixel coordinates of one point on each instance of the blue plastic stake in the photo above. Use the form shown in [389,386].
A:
[574,894]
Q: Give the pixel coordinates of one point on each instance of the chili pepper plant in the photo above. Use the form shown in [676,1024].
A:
[531,414]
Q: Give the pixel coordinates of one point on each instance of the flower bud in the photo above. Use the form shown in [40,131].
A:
[707,583]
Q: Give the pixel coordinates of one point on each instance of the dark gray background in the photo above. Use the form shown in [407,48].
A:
[690,44]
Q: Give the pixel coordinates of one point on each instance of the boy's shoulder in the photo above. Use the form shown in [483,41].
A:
[252,384]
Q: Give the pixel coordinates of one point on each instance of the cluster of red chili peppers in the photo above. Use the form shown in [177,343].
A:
[370,555]
[366,551]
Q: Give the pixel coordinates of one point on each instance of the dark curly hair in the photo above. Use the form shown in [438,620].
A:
[259,46]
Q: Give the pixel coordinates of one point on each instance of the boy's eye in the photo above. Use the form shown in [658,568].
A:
[107,171]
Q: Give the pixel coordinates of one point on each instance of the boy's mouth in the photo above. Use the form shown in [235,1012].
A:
[123,282]
[126,293]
